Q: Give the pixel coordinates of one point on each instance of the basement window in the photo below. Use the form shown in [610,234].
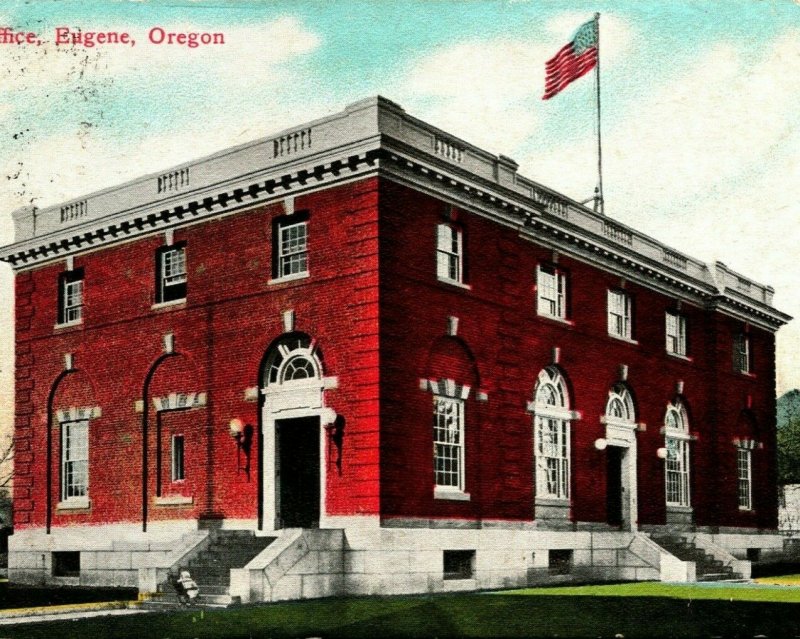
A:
[560,562]
[753,554]
[67,564]
[459,564]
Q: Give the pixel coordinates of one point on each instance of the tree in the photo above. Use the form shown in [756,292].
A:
[6,464]
[788,422]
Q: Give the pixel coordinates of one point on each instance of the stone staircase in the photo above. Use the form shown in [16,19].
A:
[708,567]
[211,568]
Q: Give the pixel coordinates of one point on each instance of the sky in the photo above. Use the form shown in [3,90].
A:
[701,130]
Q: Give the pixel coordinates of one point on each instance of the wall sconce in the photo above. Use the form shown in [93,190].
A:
[600,444]
[243,435]
[334,426]
[662,453]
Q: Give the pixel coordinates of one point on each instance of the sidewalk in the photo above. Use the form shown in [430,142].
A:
[69,611]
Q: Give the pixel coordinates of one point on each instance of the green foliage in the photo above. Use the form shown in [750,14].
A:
[788,422]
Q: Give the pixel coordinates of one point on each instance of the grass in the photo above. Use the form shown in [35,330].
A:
[631,610]
[780,580]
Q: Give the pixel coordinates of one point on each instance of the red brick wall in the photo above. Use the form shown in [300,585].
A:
[231,316]
[511,344]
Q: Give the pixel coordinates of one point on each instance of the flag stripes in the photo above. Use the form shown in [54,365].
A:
[566,67]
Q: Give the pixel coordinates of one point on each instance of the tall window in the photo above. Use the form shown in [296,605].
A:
[171,273]
[551,289]
[448,442]
[178,473]
[676,334]
[744,467]
[74,460]
[292,247]
[449,253]
[619,314]
[741,353]
[676,439]
[70,297]
[552,435]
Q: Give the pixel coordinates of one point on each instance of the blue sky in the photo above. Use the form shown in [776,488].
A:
[700,124]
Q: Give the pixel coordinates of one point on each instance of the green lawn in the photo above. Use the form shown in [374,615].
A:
[631,610]
[31,596]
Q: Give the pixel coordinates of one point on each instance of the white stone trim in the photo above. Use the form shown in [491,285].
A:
[74,503]
[73,414]
[287,317]
[175,401]
[446,388]
[289,278]
[173,500]
[747,444]
[448,492]
[251,394]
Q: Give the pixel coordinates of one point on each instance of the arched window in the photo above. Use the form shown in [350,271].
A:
[292,359]
[620,407]
[552,435]
[676,441]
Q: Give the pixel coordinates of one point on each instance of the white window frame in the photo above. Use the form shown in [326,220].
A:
[448,443]
[619,314]
[292,260]
[551,291]
[75,461]
[744,476]
[675,333]
[677,462]
[73,301]
[449,253]
[741,353]
[173,266]
[552,431]
[178,458]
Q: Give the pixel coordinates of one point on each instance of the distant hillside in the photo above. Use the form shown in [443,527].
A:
[788,408]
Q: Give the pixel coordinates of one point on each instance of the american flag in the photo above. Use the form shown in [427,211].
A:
[573,60]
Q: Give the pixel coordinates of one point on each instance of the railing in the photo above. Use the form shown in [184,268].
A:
[617,233]
[742,285]
[291,143]
[74,211]
[173,181]
[675,259]
[448,149]
[552,203]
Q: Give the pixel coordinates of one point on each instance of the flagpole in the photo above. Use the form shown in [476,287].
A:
[600,203]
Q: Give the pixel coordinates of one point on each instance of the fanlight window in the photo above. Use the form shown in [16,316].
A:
[620,404]
[552,435]
[291,360]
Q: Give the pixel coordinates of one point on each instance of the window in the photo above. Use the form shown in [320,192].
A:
[619,314]
[741,353]
[171,273]
[744,467]
[676,440]
[619,407]
[70,297]
[551,436]
[559,562]
[177,458]
[448,442]
[551,290]
[676,334]
[67,563]
[449,254]
[74,460]
[291,247]
[458,564]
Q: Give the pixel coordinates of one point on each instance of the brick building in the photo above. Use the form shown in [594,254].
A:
[377,359]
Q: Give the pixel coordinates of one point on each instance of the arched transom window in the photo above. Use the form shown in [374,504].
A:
[293,360]
[676,442]
[552,435]
[620,407]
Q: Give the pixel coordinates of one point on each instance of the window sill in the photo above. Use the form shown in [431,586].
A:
[289,278]
[65,325]
[551,501]
[747,374]
[684,358]
[74,504]
[677,508]
[744,510]
[554,318]
[455,283]
[169,304]
[621,338]
[173,500]
[453,494]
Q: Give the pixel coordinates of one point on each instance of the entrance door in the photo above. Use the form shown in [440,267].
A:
[614,485]
[298,472]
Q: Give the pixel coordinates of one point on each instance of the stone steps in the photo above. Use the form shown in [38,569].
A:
[707,567]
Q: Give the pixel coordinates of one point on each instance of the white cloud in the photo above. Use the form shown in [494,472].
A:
[488,91]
